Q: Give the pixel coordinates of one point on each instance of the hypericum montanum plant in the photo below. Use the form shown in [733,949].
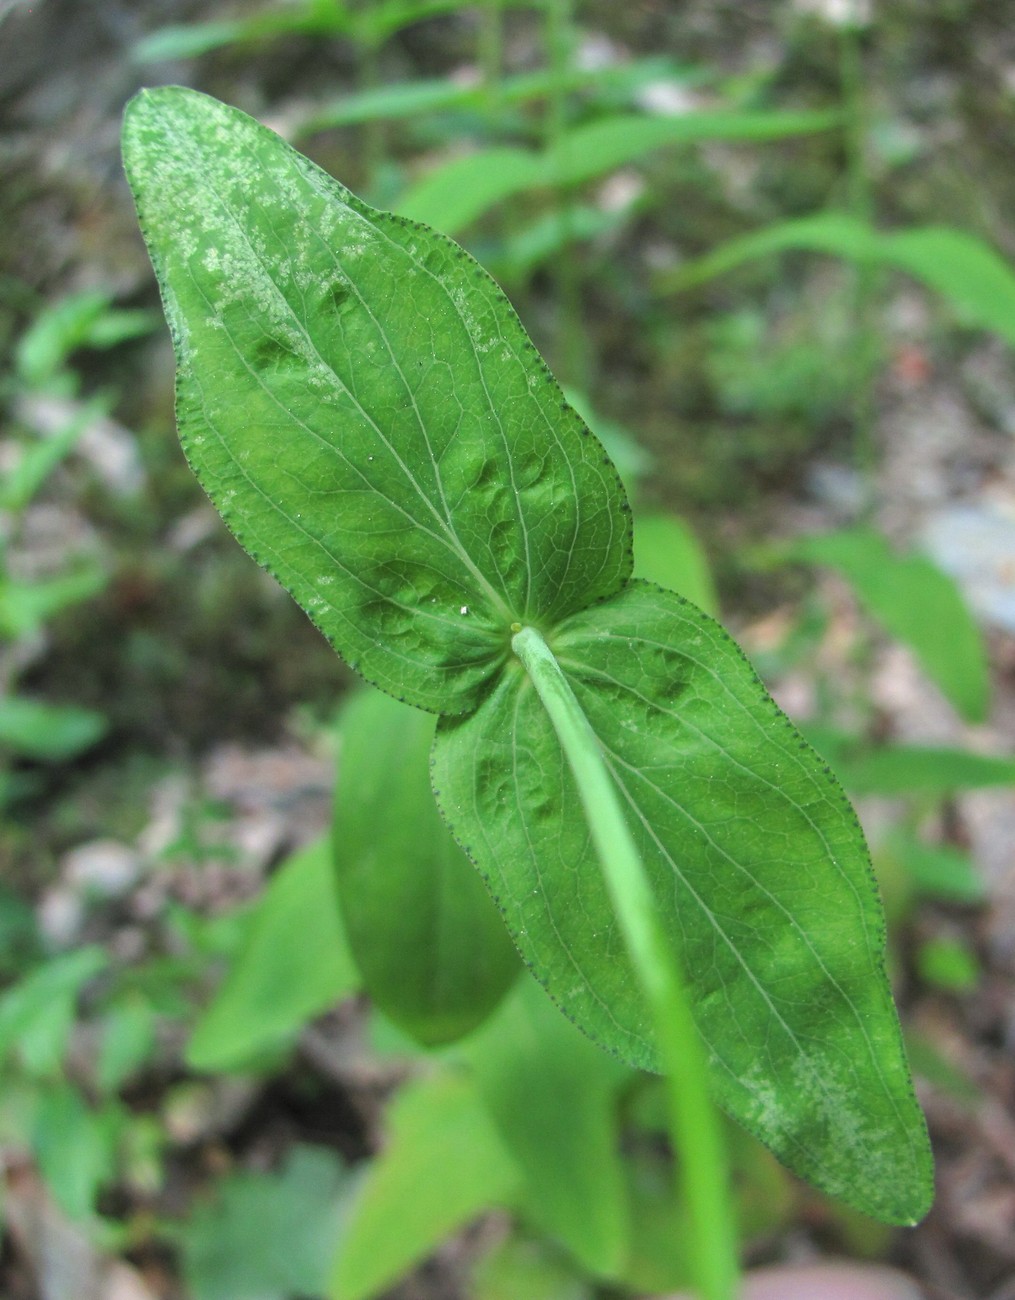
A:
[673,861]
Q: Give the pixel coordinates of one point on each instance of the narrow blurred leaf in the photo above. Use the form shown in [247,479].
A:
[36,1014]
[596,148]
[431,946]
[667,552]
[624,449]
[917,603]
[22,482]
[58,330]
[52,732]
[938,870]
[411,98]
[949,964]
[519,1267]
[442,1165]
[552,1096]
[522,250]
[26,606]
[128,1039]
[75,1146]
[456,193]
[907,769]
[965,270]
[294,965]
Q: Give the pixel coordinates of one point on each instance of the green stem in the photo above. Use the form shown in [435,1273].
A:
[865,276]
[693,1120]
[560,48]
[491,52]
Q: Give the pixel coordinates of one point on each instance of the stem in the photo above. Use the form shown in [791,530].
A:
[491,52]
[860,201]
[694,1124]
[560,48]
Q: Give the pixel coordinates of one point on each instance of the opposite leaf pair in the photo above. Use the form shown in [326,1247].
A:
[366,411]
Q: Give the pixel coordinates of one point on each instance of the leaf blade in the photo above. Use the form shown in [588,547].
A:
[783,947]
[363,406]
[431,946]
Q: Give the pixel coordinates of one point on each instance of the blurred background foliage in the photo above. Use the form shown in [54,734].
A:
[769,250]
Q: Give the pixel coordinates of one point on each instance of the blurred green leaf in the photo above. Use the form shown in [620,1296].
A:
[906,769]
[552,1096]
[948,963]
[410,98]
[937,870]
[268,1236]
[929,1062]
[965,270]
[371,24]
[19,933]
[659,1256]
[27,606]
[86,319]
[602,146]
[128,1039]
[456,193]
[37,1013]
[279,981]
[75,1146]
[442,1165]
[917,603]
[49,732]
[522,250]
[432,948]
[628,455]
[667,552]
[22,482]
[520,1267]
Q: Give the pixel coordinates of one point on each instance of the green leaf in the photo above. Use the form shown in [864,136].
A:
[518,1266]
[52,732]
[26,606]
[75,1147]
[128,1041]
[456,193]
[442,1165]
[907,769]
[431,947]
[965,270]
[667,552]
[513,258]
[37,461]
[629,456]
[553,1098]
[37,1013]
[268,1236]
[591,150]
[314,352]
[949,964]
[761,876]
[411,98]
[191,40]
[938,870]
[276,985]
[917,603]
